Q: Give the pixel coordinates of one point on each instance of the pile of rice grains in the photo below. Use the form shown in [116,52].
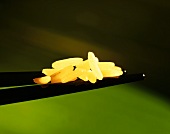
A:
[71,69]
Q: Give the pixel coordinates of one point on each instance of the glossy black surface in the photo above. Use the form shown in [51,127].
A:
[27,93]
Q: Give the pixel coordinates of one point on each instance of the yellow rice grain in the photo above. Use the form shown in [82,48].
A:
[84,65]
[72,75]
[83,76]
[94,66]
[111,73]
[66,62]
[91,76]
[42,80]
[117,68]
[58,77]
[49,72]
[106,65]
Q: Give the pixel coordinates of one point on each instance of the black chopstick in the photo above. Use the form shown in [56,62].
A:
[8,79]
[13,95]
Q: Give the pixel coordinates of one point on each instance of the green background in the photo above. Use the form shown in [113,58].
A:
[133,34]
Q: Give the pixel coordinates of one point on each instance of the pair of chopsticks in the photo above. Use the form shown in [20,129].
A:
[25,89]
